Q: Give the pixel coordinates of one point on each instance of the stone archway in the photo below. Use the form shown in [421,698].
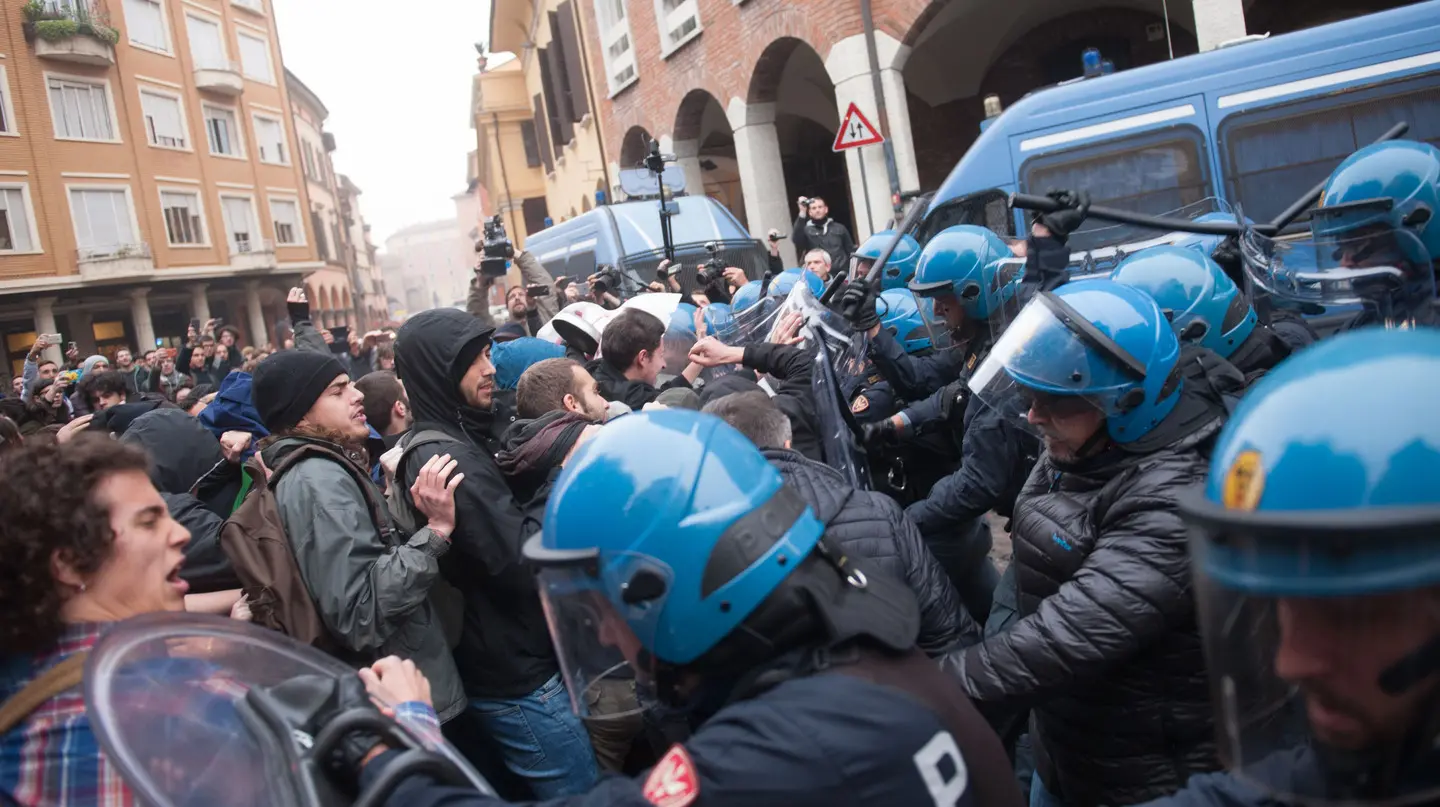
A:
[634,146]
[704,146]
[791,83]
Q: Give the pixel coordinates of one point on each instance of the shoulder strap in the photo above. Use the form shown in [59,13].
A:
[63,676]
[367,487]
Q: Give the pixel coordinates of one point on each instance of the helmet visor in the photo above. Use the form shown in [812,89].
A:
[1054,364]
[860,266]
[1383,270]
[1296,674]
[596,640]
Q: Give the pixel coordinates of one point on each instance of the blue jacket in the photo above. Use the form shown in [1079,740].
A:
[513,358]
[234,410]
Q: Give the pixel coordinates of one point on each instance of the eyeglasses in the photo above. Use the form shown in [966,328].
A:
[1051,405]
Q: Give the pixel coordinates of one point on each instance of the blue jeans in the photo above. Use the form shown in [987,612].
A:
[1039,796]
[542,740]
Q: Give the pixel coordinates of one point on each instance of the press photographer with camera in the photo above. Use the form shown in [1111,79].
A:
[814,229]
[530,310]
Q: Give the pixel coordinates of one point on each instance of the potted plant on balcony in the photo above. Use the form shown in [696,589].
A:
[56,20]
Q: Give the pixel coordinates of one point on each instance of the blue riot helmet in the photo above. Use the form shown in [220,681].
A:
[663,535]
[785,281]
[682,320]
[1203,303]
[1089,344]
[745,296]
[905,316]
[1316,547]
[972,265]
[1372,242]
[719,320]
[899,268]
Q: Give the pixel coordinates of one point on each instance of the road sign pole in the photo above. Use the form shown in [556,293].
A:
[865,190]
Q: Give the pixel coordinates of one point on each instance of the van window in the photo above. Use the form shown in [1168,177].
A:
[1276,154]
[1154,173]
[989,209]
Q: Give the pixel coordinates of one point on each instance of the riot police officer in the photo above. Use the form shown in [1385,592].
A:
[1372,241]
[1318,581]
[672,548]
[899,267]
[1205,307]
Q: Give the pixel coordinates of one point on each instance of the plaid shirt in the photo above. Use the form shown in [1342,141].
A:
[53,758]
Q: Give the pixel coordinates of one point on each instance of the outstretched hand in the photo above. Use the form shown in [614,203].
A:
[434,493]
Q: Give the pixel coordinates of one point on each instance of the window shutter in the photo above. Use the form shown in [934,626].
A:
[579,97]
[552,74]
[543,132]
[531,143]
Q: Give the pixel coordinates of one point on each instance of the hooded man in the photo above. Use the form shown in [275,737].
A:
[505,655]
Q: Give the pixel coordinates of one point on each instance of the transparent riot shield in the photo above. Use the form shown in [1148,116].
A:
[201,711]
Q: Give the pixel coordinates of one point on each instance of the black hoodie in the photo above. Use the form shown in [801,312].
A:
[505,649]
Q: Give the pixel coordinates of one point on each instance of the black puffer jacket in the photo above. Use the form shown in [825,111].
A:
[1107,649]
[872,526]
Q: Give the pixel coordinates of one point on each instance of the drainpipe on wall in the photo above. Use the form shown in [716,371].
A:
[504,175]
[867,19]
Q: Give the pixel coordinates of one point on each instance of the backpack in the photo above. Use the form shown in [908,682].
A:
[449,603]
[254,540]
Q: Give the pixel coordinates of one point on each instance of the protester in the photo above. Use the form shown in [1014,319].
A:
[387,408]
[101,389]
[556,385]
[505,656]
[370,585]
[631,360]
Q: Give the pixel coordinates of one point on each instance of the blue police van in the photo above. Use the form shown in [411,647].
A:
[1253,125]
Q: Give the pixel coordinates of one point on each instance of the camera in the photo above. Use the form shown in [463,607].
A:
[711,271]
[496,250]
[607,279]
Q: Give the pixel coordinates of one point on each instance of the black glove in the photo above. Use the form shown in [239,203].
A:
[857,305]
[1075,206]
[956,398]
[299,312]
[880,436]
[1227,254]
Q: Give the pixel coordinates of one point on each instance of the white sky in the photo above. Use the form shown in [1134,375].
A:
[396,79]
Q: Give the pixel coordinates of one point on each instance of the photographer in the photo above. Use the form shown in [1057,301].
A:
[814,229]
[536,307]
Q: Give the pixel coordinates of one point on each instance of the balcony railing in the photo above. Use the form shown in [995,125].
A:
[219,75]
[56,20]
[250,246]
[114,252]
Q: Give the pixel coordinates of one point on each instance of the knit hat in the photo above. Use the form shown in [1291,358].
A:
[679,398]
[509,331]
[288,383]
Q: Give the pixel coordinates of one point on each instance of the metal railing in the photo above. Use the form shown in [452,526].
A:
[217,63]
[85,12]
[112,252]
[251,246]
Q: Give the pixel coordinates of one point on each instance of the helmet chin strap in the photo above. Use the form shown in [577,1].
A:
[1411,669]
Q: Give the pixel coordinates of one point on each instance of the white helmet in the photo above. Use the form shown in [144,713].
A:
[578,325]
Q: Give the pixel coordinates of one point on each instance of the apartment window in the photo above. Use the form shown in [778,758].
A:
[8,125]
[615,44]
[532,145]
[207,43]
[103,220]
[81,110]
[679,23]
[564,35]
[222,132]
[557,101]
[239,215]
[255,57]
[164,120]
[270,139]
[543,131]
[288,229]
[145,23]
[184,218]
[16,231]
[310,170]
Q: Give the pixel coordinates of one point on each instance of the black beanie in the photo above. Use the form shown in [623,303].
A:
[288,383]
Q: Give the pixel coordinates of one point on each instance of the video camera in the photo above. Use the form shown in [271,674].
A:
[496,249]
[713,270]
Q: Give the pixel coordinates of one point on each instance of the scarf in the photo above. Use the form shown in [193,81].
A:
[540,444]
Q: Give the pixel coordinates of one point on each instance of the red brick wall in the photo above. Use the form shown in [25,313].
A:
[723,59]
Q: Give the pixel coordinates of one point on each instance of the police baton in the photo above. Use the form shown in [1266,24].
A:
[1303,204]
[911,221]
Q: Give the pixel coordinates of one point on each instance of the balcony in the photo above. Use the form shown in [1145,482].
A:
[251,254]
[117,262]
[74,31]
[220,77]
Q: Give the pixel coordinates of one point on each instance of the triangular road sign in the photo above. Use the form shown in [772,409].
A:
[856,131]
